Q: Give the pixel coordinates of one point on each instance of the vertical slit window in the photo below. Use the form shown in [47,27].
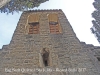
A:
[45,56]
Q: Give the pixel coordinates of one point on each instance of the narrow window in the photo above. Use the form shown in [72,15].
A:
[33,22]
[45,56]
[54,23]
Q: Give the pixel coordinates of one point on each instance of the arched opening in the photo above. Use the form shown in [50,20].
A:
[45,56]
[33,22]
[54,24]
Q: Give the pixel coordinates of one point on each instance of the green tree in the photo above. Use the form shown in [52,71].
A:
[96,22]
[19,5]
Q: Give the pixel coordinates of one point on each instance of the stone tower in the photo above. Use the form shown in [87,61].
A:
[44,43]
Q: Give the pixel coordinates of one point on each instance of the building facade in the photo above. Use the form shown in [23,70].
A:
[44,43]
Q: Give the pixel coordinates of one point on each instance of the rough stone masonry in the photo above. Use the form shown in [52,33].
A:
[44,43]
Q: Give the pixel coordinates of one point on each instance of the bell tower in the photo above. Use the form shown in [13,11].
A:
[44,43]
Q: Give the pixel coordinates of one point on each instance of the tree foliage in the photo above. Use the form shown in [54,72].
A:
[96,22]
[4,2]
[20,5]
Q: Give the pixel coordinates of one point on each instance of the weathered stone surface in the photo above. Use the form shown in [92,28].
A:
[67,55]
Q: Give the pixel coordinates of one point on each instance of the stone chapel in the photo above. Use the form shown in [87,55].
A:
[44,43]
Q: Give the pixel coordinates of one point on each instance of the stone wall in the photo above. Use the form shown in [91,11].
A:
[65,50]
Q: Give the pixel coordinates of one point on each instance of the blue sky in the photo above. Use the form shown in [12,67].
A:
[78,13]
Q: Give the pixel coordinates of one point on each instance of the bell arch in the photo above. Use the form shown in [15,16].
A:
[54,24]
[32,26]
